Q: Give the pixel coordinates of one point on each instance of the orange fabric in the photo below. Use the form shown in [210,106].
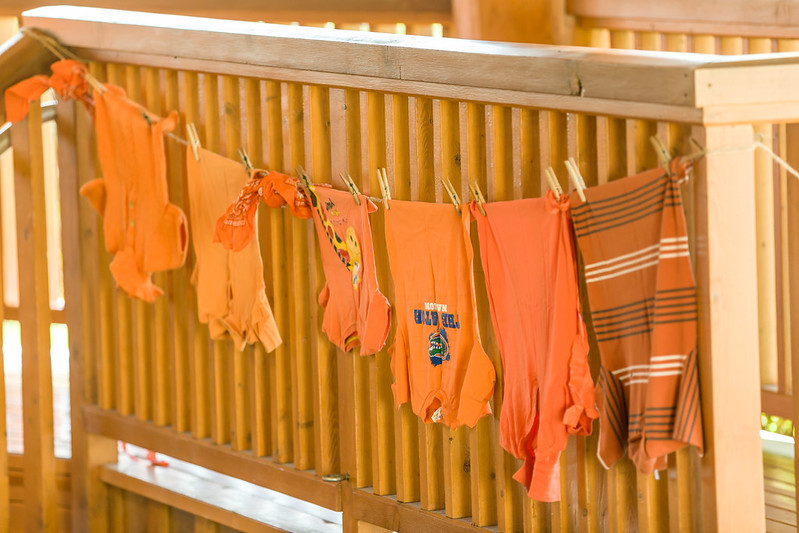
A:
[631,233]
[231,295]
[236,226]
[142,229]
[67,81]
[530,271]
[356,312]
[436,358]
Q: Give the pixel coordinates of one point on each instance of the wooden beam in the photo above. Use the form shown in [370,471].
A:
[728,332]
[263,472]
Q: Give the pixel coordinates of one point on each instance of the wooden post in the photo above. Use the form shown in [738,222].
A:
[536,21]
[34,317]
[89,498]
[728,332]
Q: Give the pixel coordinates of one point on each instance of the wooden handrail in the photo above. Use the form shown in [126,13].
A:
[650,85]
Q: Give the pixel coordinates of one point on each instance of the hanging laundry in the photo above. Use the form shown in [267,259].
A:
[68,81]
[236,226]
[632,236]
[529,263]
[142,229]
[231,295]
[356,312]
[437,360]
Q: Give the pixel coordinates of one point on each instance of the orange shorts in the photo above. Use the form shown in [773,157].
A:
[437,360]
[231,297]
[529,263]
[356,312]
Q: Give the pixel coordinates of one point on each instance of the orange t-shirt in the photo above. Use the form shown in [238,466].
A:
[356,312]
[531,276]
[437,360]
[142,229]
[231,295]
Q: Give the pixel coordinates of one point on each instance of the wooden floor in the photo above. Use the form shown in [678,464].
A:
[780,483]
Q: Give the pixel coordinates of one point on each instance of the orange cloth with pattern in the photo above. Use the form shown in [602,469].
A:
[231,295]
[236,225]
[356,312]
[528,258]
[142,229]
[67,81]
[437,360]
[631,233]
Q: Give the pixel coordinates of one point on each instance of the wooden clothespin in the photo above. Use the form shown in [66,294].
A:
[477,194]
[194,139]
[347,179]
[245,160]
[552,179]
[575,177]
[384,190]
[453,196]
[306,181]
[663,153]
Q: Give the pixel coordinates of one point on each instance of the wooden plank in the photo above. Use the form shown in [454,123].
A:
[482,438]
[242,465]
[161,375]
[89,512]
[382,402]
[604,75]
[261,384]
[325,388]
[239,407]
[728,326]
[4,474]
[199,388]
[282,416]
[431,481]
[301,363]
[37,387]
[183,317]
[406,427]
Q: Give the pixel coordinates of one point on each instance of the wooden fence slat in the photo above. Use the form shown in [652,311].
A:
[34,314]
[324,356]
[261,384]
[405,425]
[88,508]
[280,366]
[301,358]
[183,317]
[240,436]
[382,401]
[199,388]
[161,375]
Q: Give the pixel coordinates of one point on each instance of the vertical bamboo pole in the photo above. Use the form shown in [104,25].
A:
[382,402]
[34,317]
[199,387]
[222,350]
[89,512]
[510,493]
[405,425]
[728,333]
[482,438]
[260,379]
[301,360]
[326,386]
[161,375]
[353,370]
[240,437]
[183,316]
[457,491]
[283,416]
[431,481]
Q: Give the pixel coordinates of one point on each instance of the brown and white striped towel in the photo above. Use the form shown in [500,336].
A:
[642,295]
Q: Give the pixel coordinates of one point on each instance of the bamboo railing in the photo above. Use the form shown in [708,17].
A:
[330,100]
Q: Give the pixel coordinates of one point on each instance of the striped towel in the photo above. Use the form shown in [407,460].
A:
[642,294]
